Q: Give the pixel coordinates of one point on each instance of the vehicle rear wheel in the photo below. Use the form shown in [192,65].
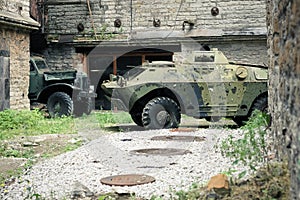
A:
[161,112]
[60,104]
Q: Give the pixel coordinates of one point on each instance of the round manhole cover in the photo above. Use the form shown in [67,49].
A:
[161,151]
[185,138]
[183,129]
[127,180]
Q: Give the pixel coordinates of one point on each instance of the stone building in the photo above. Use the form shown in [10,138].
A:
[15,27]
[104,36]
[284,85]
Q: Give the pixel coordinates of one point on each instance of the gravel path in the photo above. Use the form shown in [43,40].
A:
[110,154]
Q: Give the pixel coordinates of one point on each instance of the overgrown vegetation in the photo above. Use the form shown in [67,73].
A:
[109,118]
[24,123]
[251,150]
[268,180]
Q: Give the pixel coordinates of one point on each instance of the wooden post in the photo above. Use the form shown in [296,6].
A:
[115,65]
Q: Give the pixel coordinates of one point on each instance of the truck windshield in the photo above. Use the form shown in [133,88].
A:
[41,64]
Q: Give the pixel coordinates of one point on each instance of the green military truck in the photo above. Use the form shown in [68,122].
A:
[64,92]
[205,85]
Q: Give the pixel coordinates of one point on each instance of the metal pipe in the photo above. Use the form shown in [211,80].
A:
[131,16]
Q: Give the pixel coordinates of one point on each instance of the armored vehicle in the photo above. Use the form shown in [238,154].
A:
[65,92]
[205,85]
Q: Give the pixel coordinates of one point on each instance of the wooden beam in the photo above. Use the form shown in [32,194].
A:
[115,65]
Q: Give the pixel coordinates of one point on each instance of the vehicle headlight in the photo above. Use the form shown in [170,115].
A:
[121,81]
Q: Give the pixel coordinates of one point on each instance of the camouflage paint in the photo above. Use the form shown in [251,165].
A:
[211,87]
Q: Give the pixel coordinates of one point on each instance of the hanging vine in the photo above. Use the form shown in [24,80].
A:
[91,17]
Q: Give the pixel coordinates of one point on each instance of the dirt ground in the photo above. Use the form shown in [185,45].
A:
[38,148]
[33,149]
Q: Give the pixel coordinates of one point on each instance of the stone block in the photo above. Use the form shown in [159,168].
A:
[219,181]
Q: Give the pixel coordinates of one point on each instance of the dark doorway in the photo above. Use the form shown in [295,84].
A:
[4,80]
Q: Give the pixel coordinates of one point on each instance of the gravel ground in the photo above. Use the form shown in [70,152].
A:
[110,154]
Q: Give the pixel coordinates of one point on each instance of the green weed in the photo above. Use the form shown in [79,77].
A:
[26,122]
[250,150]
[73,146]
[5,151]
[112,118]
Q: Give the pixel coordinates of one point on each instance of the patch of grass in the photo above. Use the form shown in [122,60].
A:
[5,151]
[102,119]
[32,122]
[73,145]
[106,118]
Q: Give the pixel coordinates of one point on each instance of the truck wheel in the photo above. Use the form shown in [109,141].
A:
[261,104]
[83,107]
[60,104]
[161,112]
[89,106]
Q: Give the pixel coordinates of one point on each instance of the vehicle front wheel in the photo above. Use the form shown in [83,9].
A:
[261,104]
[161,112]
[60,104]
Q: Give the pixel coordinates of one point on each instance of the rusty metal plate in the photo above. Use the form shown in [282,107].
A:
[183,130]
[161,151]
[127,180]
[184,138]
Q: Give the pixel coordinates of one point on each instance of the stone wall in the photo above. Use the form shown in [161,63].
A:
[235,18]
[15,26]
[63,56]
[284,85]
[139,14]
[15,6]
[254,52]
[17,44]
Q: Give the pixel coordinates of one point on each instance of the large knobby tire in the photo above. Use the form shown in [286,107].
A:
[89,107]
[83,107]
[261,104]
[161,112]
[60,104]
